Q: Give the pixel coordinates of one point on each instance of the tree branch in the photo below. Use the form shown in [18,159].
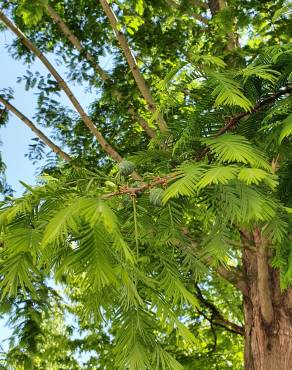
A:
[76,43]
[230,274]
[217,317]
[144,90]
[233,121]
[63,85]
[92,61]
[164,180]
[216,6]
[233,277]
[55,148]
[135,190]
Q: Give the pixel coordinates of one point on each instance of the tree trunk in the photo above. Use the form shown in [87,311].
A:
[268,316]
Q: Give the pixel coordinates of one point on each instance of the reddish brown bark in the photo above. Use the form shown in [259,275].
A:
[268,316]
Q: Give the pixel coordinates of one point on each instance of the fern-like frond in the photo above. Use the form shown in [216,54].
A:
[230,148]
[264,72]
[135,338]
[217,175]
[92,258]
[216,248]
[174,290]
[287,128]
[18,271]
[256,176]
[58,228]
[229,92]
[164,360]
[188,175]
[276,229]
[244,204]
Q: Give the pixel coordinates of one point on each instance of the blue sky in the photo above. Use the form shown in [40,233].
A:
[16,137]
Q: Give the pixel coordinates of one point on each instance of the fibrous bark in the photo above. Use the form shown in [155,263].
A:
[268,315]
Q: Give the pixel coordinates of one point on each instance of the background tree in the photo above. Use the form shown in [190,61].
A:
[196,110]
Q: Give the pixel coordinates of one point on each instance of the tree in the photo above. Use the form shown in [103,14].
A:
[177,180]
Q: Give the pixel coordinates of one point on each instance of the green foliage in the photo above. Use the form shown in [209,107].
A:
[234,148]
[31,13]
[138,271]
[188,175]
[256,175]
[261,71]
[228,92]
[287,128]
[126,168]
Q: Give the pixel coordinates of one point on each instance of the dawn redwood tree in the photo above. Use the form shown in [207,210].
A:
[179,176]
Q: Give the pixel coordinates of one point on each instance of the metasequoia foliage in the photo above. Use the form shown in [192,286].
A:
[140,245]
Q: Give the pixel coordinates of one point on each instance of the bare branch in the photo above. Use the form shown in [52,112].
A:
[55,148]
[217,317]
[142,86]
[142,122]
[63,85]
[102,74]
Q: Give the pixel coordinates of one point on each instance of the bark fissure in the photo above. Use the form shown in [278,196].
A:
[267,311]
[263,278]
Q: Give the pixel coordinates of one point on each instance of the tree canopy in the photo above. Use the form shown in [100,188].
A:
[179,168]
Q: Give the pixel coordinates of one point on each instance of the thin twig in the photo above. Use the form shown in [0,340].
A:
[233,121]
[139,189]
[164,180]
